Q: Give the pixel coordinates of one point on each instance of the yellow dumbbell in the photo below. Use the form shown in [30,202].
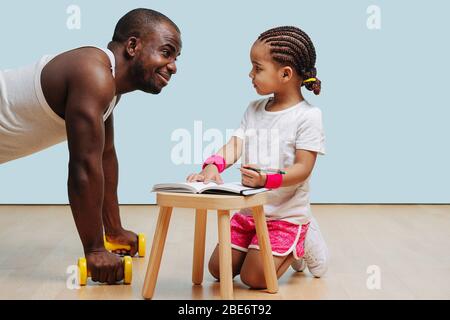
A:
[84,273]
[141,245]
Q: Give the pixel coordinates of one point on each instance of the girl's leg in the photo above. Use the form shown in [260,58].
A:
[252,271]
[237,258]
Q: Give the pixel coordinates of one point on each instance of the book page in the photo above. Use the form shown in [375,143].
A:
[190,187]
[200,187]
[235,187]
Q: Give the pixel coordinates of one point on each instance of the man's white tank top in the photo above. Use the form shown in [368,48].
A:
[27,123]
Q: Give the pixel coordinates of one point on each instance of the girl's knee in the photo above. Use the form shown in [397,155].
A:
[255,280]
[213,267]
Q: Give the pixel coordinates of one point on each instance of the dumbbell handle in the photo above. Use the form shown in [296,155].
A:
[84,273]
[115,246]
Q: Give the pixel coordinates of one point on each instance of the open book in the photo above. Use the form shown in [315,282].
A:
[209,188]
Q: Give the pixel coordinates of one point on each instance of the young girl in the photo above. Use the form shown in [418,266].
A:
[283,132]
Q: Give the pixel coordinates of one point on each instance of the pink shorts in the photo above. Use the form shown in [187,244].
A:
[285,237]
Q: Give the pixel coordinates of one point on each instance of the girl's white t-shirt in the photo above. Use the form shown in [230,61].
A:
[270,141]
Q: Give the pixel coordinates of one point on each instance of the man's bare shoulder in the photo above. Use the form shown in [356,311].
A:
[88,69]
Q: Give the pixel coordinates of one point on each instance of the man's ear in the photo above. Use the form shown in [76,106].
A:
[286,73]
[132,45]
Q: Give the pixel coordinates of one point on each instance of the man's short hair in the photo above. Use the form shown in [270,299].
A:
[138,23]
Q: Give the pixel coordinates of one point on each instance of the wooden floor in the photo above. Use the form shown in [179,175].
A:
[409,243]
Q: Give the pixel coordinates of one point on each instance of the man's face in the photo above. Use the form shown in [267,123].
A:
[155,62]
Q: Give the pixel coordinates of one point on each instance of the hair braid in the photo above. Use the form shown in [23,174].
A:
[291,46]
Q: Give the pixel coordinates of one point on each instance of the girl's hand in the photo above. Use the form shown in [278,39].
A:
[209,174]
[252,178]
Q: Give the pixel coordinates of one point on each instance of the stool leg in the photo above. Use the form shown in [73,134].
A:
[266,249]
[225,263]
[154,262]
[199,246]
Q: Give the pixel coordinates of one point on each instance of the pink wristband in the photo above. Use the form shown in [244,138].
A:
[274,181]
[217,160]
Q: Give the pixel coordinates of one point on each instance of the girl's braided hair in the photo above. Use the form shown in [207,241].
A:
[292,46]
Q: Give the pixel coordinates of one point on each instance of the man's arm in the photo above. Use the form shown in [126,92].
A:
[110,212]
[90,90]
[111,217]
[86,136]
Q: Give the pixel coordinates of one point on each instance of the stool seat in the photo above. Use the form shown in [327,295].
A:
[201,203]
[210,201]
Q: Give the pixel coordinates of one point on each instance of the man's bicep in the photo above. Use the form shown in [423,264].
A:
[87,100]
[85,129]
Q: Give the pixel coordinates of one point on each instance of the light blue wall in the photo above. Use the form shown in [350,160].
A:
[385,93]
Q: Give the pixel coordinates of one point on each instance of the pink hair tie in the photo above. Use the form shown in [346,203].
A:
[274,181]
[217,160]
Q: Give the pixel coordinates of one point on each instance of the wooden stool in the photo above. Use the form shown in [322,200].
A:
[223,204]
